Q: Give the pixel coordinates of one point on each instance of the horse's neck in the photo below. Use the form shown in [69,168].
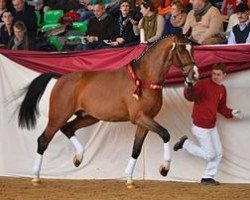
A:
[155,64]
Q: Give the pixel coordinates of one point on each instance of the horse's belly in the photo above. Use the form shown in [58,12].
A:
[105,106]
[108,112]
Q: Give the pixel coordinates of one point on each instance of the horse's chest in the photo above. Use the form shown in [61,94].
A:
[150,103]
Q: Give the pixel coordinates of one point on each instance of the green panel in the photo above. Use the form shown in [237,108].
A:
[49,27]
[80,26]
[52,16]
[55,42]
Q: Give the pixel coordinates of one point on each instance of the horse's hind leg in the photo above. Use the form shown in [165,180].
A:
[43,142]
[57,119]
[140,135]
[152,125]
[69,130]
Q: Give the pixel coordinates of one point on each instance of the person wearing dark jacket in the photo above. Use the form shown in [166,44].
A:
[126,25]
[100,28]
[20,39]
[174,23]
[6,29]
[241,32]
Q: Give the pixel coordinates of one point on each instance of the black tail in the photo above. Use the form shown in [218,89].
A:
[28,110]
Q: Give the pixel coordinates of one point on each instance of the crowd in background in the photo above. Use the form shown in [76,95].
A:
[121,23]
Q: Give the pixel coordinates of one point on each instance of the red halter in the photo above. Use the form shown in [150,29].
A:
[140,85]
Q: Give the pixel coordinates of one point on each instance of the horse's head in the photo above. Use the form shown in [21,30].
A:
[182,55]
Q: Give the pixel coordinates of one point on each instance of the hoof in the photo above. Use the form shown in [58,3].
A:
[163,170]
[130,185]
[36,182]
[77,159]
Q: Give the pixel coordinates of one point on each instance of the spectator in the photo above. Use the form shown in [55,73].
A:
[112,8]
[23,12]
[126,26]
[101,27]
[152,23]
[6,29]
[206,23]
[174,24]
[233,20]
[20,39]
[241,31]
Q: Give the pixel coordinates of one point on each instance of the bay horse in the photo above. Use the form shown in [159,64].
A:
[109,96]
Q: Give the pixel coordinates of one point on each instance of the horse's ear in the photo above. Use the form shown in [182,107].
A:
[188,33]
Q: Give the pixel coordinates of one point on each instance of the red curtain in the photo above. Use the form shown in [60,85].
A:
[236,57]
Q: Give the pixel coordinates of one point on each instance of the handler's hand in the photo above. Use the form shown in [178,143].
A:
[237,114]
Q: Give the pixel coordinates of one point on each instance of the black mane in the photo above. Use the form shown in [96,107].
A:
[184,40]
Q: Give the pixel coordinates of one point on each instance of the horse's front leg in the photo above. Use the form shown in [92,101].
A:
[152,125]
[140,135]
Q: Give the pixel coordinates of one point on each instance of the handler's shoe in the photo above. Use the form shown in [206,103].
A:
[180,143]
[209,181]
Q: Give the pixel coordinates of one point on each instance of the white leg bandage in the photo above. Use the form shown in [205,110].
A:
[130,167]
[78,146]
[37,165]
[167,155]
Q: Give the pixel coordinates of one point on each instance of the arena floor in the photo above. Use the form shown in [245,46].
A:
[22,189]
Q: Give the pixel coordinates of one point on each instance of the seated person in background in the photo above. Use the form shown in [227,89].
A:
[126,26]
[206,23]
[174,24]
[20,39]
[101,27]
[26,14]
[233,20]
[6,30]
[240,32]
[152,23]
[112,8]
